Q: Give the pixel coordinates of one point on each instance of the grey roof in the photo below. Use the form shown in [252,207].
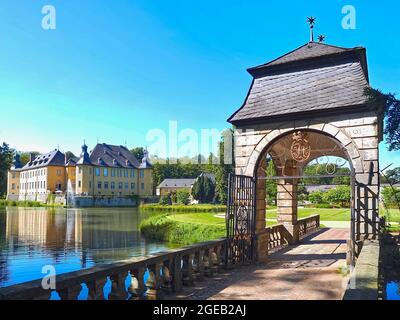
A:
[53,158]
[176,183]
[113,156]
[307,51]
[298,88]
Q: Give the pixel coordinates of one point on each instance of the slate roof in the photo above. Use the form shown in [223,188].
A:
[113,156]
[307,51]
[176,183]
[53,158]
[287,85]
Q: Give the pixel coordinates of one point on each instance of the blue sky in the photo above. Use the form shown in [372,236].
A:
[113,70]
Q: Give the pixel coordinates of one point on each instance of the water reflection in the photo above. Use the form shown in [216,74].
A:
[69,239]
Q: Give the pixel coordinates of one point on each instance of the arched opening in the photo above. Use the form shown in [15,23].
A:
[292,166]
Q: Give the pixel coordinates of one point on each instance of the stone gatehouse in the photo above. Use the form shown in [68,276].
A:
[303,105]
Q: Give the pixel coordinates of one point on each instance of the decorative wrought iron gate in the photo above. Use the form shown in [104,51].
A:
[240,219]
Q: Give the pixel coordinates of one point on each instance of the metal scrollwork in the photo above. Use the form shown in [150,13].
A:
[300,149]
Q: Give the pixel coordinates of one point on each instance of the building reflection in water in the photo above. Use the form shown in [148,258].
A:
[69,238]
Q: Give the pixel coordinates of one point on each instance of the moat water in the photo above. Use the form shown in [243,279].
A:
[68,239]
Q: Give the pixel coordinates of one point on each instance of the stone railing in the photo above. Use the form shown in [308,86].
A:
[308,225]
[148,277]
[277,237]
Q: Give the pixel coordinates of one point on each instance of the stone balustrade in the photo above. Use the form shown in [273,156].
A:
[308,225]
[148,277]
[277,237]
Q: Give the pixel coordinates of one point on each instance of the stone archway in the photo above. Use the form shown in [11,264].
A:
[254,144]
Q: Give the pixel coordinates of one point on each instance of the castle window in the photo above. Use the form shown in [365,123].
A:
[132,173]
[112,172]
[132,185]
[141,173]
[120,185]
[58,172]
[105,172]
[119,173]
[90,184]
[142,186]
[97,172]
[99,185]
[105,185]
[126,173]
[79,183]
[13,186]
[126,186]
[13,175]
[112,185]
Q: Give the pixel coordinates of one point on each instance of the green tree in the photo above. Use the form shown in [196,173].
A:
[183,197]
[6,158]
[165,200]
[138,152]
[391,196]
[316,197]
[340,195]
[203,190]
[391,107]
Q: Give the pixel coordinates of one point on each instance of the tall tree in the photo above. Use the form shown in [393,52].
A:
[6,158]
[138,152]
[391,108]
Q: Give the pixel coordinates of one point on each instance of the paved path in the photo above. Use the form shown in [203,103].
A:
[306,271]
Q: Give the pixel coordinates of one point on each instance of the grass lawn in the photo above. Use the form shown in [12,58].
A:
[203,218]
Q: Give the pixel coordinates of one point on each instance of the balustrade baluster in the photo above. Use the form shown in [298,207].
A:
[137,288]
[118,291]
[213,261]
[199,263]
[166,278]
[96,289]
[207,263]
[187,269]
[153,283]
[177,273]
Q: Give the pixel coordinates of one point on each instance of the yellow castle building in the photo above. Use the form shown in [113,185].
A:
[108,171]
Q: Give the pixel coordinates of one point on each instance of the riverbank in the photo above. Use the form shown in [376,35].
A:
[183,208]
[27,203]
[183,229]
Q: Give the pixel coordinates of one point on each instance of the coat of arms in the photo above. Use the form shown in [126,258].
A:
[300,148]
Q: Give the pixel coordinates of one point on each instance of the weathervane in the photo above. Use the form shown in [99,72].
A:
[321,38]
[311,22]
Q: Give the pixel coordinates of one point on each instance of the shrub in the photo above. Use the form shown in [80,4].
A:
[183,208]
[165,200]
[316,197]
[340,195]
[390,196]
[203,190]
[161,228]
[183,197]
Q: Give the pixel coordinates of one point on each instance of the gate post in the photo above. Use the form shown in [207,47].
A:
[261,234]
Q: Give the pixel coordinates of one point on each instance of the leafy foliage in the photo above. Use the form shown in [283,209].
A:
[6,158]
[183,197]
[165,200]
[340,195]
[138,152]
[390,196]
[203,190]
[391,107]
